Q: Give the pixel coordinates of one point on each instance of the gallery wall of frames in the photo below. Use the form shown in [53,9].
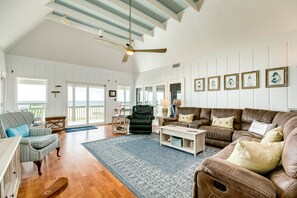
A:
[259,75]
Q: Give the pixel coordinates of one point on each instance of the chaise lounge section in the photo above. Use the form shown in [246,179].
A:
[217,177]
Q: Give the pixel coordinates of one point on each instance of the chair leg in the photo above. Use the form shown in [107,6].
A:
[58,150]
[38,164]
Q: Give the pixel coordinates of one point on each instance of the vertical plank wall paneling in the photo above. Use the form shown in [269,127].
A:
[58,73]
[277,51]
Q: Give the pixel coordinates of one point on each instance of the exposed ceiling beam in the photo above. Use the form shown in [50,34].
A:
[114,17]
[163,9]
[90,20]
[86,28]
[199,4]
[191,4]
[137,13]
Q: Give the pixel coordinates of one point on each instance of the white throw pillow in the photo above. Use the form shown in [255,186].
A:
[261,127]
[185,118]
[223,122]
[258,157]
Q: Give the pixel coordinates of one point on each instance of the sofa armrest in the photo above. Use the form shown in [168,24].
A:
[40,131]
[232,179]
[170,119]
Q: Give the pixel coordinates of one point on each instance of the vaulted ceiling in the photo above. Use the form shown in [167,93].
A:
[112,16]
[187,28]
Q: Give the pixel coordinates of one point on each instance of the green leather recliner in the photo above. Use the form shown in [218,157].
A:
[140,122]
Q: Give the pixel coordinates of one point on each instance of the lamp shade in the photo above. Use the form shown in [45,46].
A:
[177,102]
[165,102]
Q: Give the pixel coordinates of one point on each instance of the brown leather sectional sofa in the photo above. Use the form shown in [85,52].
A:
[216,177]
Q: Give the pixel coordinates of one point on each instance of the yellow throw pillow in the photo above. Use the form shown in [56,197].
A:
[185,118]
[274,135]
[258,157]
[223,122]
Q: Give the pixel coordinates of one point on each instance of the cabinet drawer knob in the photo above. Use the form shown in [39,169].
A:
[12,195]
[14,172]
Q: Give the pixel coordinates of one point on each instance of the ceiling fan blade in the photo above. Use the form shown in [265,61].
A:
[162,50]
[111,42]
[125,58]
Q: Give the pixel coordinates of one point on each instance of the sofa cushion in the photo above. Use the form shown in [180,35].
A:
[22,130]
[223,122]
[188,110]
[39,142]
[140,121]
[249,115]
[198,123]
[222,113]
[218,133]
[289,156]
[216,143]
[241,133]
[274,135]
[281,118]
[185,118]
[289,127]
[258,157]
[205,113]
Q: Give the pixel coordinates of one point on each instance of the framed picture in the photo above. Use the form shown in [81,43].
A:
[199,84]
[250,80]
[214,83]
[231,81]
[112,93]
[277,77]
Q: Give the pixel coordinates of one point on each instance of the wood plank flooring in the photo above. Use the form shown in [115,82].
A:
[87,176]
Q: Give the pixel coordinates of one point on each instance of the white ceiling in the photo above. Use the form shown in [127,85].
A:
[220,24]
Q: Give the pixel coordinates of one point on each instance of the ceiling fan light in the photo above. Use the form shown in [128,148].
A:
[129,52]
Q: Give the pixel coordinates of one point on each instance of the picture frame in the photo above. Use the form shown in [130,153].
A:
[231,81]
[112,93]
[250,80]
[214,83]
[277,77]
[199,84]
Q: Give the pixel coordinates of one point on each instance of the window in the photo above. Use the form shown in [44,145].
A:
[123,96]
[31,95]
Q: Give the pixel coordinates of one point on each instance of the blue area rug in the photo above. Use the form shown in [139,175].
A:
[76,129]
[145,167]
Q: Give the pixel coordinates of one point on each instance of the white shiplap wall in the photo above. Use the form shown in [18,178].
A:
[58,73]
[272,52]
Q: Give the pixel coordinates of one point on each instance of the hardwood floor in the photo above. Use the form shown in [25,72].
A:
[87,176]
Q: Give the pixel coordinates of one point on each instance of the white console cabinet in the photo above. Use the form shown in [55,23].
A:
[10,167]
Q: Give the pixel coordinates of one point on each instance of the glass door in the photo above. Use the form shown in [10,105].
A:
[160,95]
[96,104]
[148,95]
[139,95]
[85,104]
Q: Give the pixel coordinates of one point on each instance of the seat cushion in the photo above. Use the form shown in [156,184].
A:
[218,133]
[139,121]
[39,142]
[240,133]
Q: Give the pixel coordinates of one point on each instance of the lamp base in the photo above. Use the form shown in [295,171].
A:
[165,111]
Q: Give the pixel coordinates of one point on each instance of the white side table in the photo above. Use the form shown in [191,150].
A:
[119,124]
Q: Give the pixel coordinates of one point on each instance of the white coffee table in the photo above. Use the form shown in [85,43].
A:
[188,135]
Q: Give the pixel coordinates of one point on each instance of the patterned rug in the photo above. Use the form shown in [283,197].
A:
[145,167]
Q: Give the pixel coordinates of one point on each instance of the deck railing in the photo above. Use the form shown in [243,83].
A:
[77,113]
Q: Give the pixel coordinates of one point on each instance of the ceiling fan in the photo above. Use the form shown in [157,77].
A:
[129,50]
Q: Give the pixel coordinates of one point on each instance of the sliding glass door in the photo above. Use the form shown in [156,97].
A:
[85,104]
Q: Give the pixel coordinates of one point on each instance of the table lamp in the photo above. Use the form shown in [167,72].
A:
[165,104]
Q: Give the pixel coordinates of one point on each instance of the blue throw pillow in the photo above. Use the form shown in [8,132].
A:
[20,130]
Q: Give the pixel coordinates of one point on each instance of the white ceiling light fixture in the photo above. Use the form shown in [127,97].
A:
[129,50]
[101,33]
[65,20]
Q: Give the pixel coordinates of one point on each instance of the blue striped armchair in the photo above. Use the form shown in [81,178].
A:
[40,142]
